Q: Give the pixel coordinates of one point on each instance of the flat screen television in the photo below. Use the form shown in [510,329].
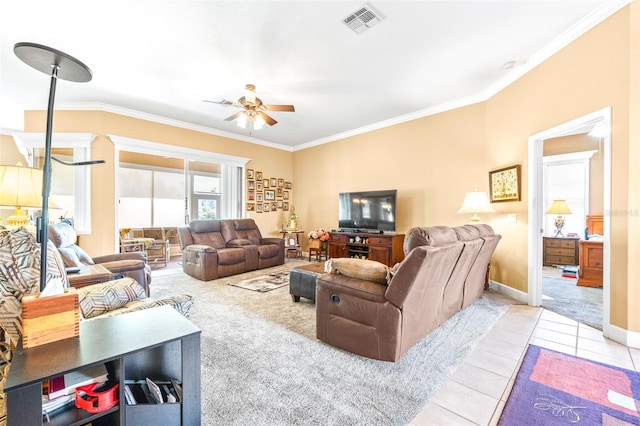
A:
[367,211]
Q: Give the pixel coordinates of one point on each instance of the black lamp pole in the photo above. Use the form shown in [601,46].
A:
[58,65]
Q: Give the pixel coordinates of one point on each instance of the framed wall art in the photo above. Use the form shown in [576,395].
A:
[258,176]
[504,184]
[249,174]
[269,194]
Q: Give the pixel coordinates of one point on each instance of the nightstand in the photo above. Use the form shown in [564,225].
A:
[89,274]
[560,251]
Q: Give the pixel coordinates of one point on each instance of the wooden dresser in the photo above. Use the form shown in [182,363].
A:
[591,252]
[560,251]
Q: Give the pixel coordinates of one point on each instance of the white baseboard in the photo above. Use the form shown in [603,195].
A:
[518,295]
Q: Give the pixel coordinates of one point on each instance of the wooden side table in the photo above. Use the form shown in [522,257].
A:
[292,249]
[89,274]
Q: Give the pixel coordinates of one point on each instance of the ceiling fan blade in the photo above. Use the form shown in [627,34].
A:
[224,103]
[280,108]
[234,116]
[270,121]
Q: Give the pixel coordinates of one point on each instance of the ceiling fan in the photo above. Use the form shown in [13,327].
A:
[253,110]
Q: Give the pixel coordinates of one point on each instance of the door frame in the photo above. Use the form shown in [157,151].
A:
[536,208]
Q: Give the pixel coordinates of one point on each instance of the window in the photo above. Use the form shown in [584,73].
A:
[70,186]
[566,177]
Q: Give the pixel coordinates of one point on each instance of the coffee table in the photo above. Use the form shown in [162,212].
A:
[302,281]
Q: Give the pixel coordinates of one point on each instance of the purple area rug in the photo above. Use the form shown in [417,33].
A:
[553,388]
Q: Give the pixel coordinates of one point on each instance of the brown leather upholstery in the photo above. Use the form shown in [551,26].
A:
[133,264]
[218,248]
[474,284]
[384,321]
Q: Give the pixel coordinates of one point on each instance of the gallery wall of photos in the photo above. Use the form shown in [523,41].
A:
[266,194]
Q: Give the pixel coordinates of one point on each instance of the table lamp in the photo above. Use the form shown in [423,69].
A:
[559,207]
[20,187]
[476,202]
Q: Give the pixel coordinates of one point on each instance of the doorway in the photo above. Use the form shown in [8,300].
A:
[536,203]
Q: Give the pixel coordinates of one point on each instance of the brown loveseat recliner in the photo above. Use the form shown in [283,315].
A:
[214,249]
[443,271]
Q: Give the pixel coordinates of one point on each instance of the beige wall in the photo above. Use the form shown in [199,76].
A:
[433,161]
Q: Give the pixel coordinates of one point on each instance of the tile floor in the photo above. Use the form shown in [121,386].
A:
[476,393]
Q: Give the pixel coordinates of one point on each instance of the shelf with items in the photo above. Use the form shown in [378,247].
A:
[153,343]
[383,248]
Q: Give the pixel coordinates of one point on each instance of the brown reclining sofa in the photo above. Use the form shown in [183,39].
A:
[214,249]
[444,271]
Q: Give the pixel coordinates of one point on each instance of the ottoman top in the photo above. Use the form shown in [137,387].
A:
[317,268]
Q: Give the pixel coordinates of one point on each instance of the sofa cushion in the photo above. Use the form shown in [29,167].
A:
[212,239]
[368,270]
[231,256]
[268,251]
[98,299]
[239,242]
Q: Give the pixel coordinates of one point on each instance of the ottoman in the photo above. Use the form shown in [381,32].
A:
[302,281]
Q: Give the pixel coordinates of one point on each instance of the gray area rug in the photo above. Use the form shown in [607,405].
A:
[262,365]
[564,297]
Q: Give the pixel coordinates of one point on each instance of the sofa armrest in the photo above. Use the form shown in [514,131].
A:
[239,242]
[120,256]
[362,289]
[272,240]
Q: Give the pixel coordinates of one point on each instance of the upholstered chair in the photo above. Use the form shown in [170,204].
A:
[132,264]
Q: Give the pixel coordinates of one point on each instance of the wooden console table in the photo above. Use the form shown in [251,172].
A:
[158,343]
[383,248]
[292,249]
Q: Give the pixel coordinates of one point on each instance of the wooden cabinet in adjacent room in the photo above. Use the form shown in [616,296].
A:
[560,251]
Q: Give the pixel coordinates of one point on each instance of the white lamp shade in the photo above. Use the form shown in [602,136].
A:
[476,202]
[20,186]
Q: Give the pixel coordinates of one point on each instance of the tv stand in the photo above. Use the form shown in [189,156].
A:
[383,248]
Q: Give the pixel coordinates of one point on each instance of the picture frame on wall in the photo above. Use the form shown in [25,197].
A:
[274,182]
[285,207]
[285,195]
[269,195]
[258,176]
[279,204]
[279,192]
[274,206]
[287,185]
[258,208]
[259,185]
[266,207]
[251,195]
[249,173]
[504,184]
[280,183]
[265,183]
[259,197]
[252,184]
[250,207]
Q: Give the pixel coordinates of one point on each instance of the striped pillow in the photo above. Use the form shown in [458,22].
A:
[98,299]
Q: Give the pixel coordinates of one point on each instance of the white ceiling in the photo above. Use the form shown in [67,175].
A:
[160,59]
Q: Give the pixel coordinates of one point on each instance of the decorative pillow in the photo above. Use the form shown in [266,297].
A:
[97,299]
[180,302]
[368,270]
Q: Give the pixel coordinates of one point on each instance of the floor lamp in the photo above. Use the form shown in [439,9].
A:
[59,65]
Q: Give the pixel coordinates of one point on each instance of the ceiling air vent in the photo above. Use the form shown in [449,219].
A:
[362,19]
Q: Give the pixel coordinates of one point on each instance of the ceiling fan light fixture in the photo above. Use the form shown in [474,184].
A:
[241,121]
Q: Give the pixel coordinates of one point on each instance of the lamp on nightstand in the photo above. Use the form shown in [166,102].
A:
[559,207]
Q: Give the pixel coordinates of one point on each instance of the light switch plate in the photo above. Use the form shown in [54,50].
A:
[511,217]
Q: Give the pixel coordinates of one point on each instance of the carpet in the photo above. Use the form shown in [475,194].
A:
[262,364]
[564,297]
[553,388]
[264,283]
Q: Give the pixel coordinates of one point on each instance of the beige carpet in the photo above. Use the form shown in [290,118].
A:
[262,364]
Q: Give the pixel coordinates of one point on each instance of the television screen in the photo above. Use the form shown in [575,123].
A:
[367,211]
